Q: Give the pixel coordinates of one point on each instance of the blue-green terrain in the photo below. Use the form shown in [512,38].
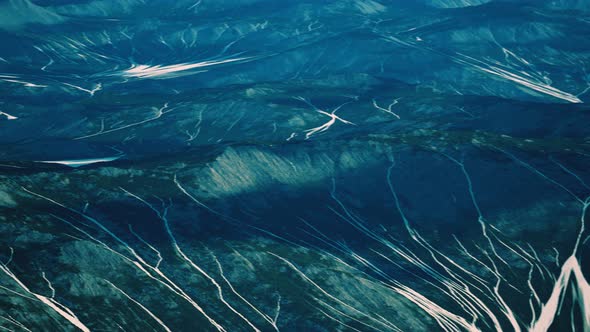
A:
[313,165]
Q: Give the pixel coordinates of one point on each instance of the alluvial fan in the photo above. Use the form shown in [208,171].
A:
[312,165]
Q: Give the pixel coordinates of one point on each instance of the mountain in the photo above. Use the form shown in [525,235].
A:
[349,165]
